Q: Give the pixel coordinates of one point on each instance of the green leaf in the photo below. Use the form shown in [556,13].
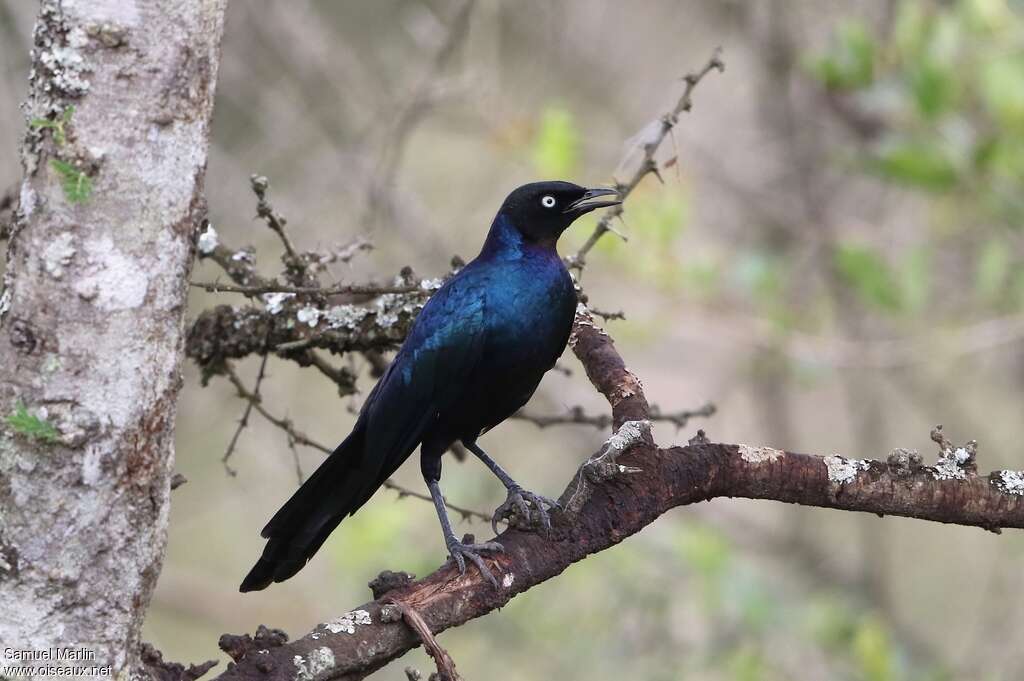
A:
[917,164]
[58,126]
[934,88]
[869,275]
[32,427]
[556,150]
[76,184]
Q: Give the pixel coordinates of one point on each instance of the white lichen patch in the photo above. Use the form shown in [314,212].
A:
[309,315]
[113,280]
[629,433]
[345,316]
[208,241]
[275,301]
[347,623]
[508,580]
[66,66]
[27,201]
[759,454]
[842,470]
[1009,482]
[58,254]
[5,302]
[431,284]
[319,660]
[951,464]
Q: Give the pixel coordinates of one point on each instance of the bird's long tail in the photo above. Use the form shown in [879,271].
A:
[336,489]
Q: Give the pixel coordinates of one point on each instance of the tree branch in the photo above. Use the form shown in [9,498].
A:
[628,485]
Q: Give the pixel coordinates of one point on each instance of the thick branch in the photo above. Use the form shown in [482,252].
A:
[659,480]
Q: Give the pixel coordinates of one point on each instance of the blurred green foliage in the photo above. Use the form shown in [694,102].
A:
[556,148]
[943,91]
[947,83]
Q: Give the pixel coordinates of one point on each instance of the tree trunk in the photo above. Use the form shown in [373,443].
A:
[91,316]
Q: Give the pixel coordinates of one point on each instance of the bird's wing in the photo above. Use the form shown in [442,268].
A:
[429,373]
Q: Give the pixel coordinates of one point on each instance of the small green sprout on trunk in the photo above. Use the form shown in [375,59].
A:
[31,426]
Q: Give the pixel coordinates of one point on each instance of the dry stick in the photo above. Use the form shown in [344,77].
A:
[445,663]
[648,164]
[298,437]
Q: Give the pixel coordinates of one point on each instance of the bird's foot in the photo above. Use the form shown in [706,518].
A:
[524,509]
[461,550]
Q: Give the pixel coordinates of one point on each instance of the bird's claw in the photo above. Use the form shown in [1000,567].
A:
[459,551]
[524,508]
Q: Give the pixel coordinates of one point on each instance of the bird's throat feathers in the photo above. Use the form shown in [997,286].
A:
[505,241]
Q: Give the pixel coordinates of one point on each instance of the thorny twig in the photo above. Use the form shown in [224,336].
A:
[352,289]
[578,416]
[647,165]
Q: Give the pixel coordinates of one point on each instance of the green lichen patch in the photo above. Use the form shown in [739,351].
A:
[30,425]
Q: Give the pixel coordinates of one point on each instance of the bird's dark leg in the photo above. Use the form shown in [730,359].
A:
[459,551]
[518,502]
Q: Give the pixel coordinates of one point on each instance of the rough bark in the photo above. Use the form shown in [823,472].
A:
[615,494]
[92,313]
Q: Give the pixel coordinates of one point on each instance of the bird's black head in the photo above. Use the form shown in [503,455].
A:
[541,211]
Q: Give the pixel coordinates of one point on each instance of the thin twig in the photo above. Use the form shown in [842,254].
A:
[341,377]
[648,165]
[295,459]
[244,421]
[284,424]
[353,289]
[296,436]
[577,416]
[464,513]
[608,316]
[293,260]
[318,261]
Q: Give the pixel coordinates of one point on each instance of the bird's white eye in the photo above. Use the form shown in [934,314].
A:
[548,201]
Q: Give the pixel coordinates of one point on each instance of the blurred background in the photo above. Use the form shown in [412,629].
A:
[833,259]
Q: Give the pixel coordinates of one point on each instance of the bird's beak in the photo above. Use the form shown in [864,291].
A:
[585,204]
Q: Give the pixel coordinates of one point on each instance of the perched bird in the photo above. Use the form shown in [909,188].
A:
[474,355]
